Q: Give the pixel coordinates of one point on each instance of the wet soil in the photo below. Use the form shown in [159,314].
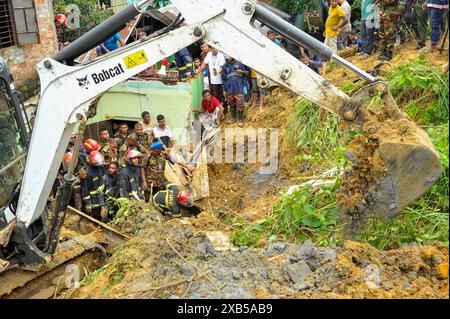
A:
[177,260]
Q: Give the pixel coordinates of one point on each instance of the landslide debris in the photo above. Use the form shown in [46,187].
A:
[180,259]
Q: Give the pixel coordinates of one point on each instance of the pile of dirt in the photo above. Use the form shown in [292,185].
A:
[405,53]
[360,184]
[174,260]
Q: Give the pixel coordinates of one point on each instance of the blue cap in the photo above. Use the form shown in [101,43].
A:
[157,146]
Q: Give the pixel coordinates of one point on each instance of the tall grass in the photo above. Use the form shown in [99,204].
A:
[422,91]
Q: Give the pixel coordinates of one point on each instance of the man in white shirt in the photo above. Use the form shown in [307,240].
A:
[163,133]
[342,39]
[214,61]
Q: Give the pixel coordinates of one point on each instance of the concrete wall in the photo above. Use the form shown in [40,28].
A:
[22,60]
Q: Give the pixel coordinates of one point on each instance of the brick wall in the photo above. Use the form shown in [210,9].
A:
[22,60]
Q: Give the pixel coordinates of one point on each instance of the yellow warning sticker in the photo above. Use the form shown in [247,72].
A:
[135,59]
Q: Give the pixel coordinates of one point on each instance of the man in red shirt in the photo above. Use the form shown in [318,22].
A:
[212,109]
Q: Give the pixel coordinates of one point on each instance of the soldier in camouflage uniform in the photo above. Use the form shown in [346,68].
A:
[388,24]
[131,143]
[153,168]
[153,171]
[421,15]
[110,151]
[122,133]
[143,138]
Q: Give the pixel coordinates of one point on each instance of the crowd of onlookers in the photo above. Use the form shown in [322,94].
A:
[386,21]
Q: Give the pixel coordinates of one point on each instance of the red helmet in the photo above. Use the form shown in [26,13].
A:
[165,62]
[91,145]
[66,160]
[184,198]
[133,154]
[96,158]
[61,18]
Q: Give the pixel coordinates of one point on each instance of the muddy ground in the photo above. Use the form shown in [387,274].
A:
[182,258]
[193,257]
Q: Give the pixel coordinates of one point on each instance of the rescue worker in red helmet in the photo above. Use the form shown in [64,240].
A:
[76,199]
[93,187]
[60,24]
[130,180]
[171,200]
[91,145]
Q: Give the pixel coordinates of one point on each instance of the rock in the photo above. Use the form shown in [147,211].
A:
[188,233]
[174,297]
[304,285]
[265,275]
[221,272]
[242,248]
[328,255]
[299,271]
[276,248]
[303,252]
[206,248]
[210,249]
[406,285]
[236,274]
[186,270]
[412,275]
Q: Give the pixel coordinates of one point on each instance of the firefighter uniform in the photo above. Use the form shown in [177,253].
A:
[111,190]
[81,167]
[389,17]
[166,200]
[130,181]
[92,189]
[184,63]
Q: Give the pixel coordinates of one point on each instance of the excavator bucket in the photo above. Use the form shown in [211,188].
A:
[394,163]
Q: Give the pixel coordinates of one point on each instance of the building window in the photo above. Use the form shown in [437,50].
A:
[18,23]
[7,38]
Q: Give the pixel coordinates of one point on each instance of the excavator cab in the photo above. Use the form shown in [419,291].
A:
[14,135]
[15,131]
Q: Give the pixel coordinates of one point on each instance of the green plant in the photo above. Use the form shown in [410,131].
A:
[421,90]
[90,277]
[158,4]
[306,214]
[312,128]
[293,7]
[90,14]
